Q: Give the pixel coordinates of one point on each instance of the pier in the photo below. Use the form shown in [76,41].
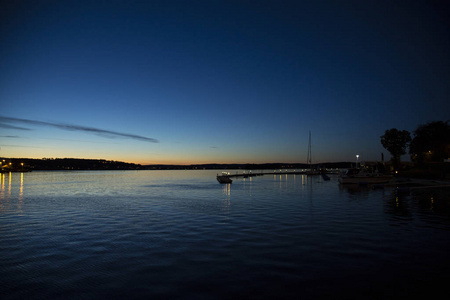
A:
[262,173]
[280,172]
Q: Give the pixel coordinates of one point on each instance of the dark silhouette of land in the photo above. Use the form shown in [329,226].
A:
[266,166]
[425,170]
[28,164]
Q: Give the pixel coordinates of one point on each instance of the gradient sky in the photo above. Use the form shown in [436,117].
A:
[218,81]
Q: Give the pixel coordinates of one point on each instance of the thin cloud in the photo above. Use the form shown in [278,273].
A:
[77,141]
[11,126]
[103,132]
[10,136]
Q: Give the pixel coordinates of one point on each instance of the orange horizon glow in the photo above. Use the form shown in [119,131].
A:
[179,162]
[161,162]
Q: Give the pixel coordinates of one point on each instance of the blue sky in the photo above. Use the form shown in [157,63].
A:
[218,81]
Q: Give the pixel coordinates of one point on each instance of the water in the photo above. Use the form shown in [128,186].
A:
[182,235]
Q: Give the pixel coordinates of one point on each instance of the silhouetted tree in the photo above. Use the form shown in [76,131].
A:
[395,141]
[431,142]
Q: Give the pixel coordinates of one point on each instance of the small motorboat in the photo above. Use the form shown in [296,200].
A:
[224,178]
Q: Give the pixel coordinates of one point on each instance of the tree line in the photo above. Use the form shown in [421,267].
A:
[430,143]
[21,164]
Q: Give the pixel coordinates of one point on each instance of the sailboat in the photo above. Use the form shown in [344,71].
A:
[309,159]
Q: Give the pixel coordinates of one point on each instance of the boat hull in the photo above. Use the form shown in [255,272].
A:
[224,179]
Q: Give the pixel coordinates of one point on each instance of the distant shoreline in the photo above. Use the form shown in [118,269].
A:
[53,164]
[435,171]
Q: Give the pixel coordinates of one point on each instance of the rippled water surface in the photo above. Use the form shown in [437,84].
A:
[182,235]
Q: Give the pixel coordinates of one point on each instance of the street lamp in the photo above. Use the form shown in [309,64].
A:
[357,156]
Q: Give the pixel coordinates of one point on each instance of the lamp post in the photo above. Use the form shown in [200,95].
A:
[357,156]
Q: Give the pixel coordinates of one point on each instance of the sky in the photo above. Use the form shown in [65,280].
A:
[188,82]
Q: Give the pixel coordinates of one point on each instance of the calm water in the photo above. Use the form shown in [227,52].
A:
[182,235]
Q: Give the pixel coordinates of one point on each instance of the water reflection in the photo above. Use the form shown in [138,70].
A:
[20,199]
[398,206]
[247,184]
[434,202]
[281,180]
[2,182]
[11,193]
[21,187]
[226,189]
[6,187]
[9,185]
[425,204]
[2,191]
[355,190]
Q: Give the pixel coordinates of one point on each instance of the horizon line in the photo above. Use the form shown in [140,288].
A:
[178,164]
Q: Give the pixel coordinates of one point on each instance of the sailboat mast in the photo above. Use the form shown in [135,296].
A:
[309,151]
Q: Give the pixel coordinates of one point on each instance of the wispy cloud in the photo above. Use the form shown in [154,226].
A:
[70,127]
[77,141]
[10,136]
[12,127]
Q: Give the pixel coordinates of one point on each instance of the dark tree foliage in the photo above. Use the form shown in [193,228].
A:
[395,141]
[431,142]
[70,164]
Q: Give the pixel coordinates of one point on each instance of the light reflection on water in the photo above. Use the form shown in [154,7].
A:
[180,234]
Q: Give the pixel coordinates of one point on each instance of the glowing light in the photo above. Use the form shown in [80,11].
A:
[10,182]
[21,188]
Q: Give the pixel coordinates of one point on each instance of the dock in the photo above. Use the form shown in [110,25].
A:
[262,173]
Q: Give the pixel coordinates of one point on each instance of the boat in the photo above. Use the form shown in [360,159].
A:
[224,178]
[310,172]
[361,176]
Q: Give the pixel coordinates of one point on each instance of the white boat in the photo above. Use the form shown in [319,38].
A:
[360,176]
[224,178]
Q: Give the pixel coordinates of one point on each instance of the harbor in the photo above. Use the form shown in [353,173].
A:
[225,177]
[399,184]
